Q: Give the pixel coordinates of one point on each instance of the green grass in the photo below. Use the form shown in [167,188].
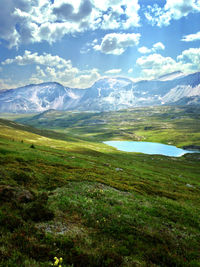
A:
[66,197]
[136,229]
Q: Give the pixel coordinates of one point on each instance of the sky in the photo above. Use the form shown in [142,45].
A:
[76,42]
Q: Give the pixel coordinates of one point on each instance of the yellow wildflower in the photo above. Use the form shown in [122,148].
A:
[56,261]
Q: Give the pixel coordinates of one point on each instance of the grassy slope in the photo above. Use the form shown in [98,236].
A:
[87,210]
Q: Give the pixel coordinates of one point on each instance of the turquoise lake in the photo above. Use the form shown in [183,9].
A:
[148,148]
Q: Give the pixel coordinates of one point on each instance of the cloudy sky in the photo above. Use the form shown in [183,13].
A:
[76,42]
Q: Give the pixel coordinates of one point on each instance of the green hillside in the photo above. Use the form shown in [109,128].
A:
[63,193]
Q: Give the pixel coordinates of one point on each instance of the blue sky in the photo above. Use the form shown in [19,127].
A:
[76,42]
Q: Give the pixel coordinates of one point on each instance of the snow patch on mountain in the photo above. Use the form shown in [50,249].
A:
[181,91]
[72,94]
[120,98]
[99,92]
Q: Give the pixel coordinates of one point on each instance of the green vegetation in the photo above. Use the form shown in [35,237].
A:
[175,125]
[65,194]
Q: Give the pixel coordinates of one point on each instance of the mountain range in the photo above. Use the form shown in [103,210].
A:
[104,95]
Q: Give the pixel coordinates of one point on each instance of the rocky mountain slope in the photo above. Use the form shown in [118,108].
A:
[105,94]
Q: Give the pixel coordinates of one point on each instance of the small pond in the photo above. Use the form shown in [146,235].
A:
[148,148]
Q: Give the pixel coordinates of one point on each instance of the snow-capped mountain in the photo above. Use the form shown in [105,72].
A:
[41,97]
[108,94]
[105,94]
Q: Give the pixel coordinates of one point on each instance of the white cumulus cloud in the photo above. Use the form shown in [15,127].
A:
[51,68]
[30,21]
[113,71]
[117,43]
[144,50]
[85,78]
[34,58]
[67,10]
[155,65]
[191,37]
[156,47]
[172,10]
[190,56]
[130,70]
[111,12]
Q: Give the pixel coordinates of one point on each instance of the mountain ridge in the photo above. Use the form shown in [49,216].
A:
[106,94]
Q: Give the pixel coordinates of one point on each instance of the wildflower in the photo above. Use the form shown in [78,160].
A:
[57,262]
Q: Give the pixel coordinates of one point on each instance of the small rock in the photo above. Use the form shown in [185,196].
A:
[189,185]
[118,169]
[107,164]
